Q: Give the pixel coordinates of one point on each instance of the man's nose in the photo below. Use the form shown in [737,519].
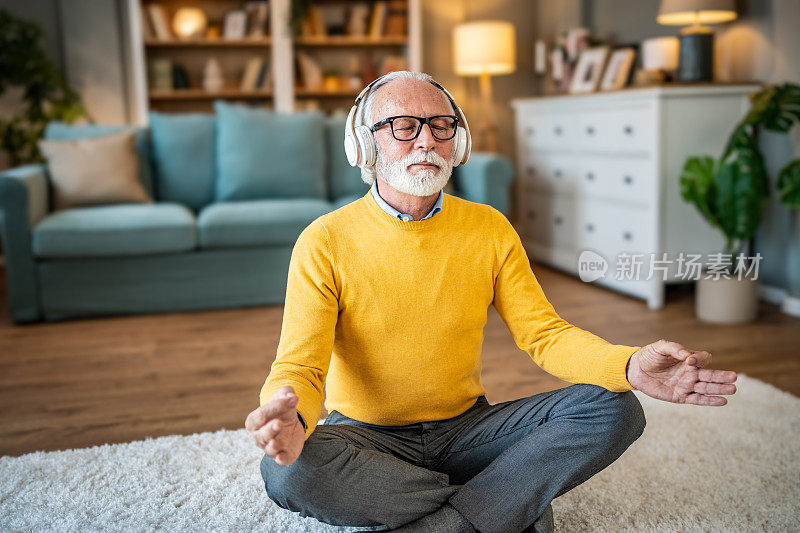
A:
[425,140]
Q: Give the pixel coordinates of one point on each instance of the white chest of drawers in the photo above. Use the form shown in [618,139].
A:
[601,172]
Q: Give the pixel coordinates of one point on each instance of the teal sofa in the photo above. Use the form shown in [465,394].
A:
[232,190]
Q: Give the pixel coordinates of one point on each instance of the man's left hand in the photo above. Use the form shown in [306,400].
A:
[668,371]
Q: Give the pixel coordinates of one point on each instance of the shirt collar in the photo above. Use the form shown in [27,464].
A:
[391,211]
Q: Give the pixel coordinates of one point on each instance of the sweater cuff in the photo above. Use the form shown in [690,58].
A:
[614,373]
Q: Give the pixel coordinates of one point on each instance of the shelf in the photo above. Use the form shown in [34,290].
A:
[322,93]
[349,40]
[208,43]
[200,94]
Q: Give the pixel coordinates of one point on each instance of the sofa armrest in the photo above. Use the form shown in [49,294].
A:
[486,179]
[23,202]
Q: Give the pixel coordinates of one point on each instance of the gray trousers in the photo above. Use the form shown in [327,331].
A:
[499,465]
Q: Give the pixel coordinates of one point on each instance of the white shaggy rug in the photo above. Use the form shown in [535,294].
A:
[730,468]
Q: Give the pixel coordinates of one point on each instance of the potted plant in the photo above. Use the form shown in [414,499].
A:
[730,193]
[45,94]
[789,190]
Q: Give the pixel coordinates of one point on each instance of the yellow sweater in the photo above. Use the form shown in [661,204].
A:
[392,312]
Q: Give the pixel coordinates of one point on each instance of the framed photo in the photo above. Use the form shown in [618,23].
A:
[234,25]
[587,73]
[618,69]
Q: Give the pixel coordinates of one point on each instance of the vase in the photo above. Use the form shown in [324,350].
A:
[727,301]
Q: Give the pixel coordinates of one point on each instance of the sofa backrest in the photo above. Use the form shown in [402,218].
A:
[344,180]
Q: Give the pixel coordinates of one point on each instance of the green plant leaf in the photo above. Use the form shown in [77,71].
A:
[739,201]
[697,186]
[789,184]
[776,107]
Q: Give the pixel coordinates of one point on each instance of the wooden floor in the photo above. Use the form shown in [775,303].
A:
[86,382]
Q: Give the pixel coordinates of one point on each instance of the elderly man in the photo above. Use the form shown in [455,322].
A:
[387,297]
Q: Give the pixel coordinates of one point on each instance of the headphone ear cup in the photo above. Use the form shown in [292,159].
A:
[366,146]
[460,146]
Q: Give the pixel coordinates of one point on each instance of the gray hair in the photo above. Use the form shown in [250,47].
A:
[363,115]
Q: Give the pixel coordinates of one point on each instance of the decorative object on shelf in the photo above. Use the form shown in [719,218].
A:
[189,23]
[46,95]
[540,57]
[214,29]
[619,69]
[696,52]
[731,191]
[180,78]
[660,53]
[563,56]
[588,70]
[485,49]
[298,12]
[331,80]
[212,76]
[159,22]
[234,24]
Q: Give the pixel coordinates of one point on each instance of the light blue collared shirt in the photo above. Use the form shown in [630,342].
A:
[397,214]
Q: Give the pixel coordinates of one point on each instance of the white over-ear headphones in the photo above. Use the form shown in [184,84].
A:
[359,141]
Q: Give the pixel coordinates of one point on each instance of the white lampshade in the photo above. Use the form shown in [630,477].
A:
[660,53]
[486,47]
[686,12]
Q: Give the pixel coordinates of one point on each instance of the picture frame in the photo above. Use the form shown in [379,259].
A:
[618,69]
[234,24]
[589,70]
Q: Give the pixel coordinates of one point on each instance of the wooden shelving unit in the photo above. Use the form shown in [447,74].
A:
[286,94]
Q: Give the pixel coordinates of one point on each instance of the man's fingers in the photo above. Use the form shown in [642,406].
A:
[674,349]
[699,399]
[716,376]
[714,388]
[273,409]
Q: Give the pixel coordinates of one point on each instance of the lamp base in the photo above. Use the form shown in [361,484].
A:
[696,56]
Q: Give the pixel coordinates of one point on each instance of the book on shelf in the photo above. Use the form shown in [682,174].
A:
[310,71]
[160,22]
[397,18]
[257,18]
[377,20]
[392,63]
[147,26]
[357,19]
[160,74]
[313,24]
[256,75]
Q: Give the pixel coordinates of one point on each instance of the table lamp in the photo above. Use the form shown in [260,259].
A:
[485,49]
[696,55]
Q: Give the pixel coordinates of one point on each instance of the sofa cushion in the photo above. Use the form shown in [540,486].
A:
[344,179]
[62,131]
[264,154]
[182,148]
[112,230]
[94,171]
[257,222]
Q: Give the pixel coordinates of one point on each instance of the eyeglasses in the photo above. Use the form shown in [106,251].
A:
[407,127]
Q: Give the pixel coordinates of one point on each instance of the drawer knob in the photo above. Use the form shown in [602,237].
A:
[628,130]
[531,215]
[558,130]
[590,227]
[531,171]
[590,176]
[530,132]
[627,235]
[628,180]
[558,173]
[590,130]
[559,220]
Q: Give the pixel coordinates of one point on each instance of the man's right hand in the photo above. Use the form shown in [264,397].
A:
[276,428]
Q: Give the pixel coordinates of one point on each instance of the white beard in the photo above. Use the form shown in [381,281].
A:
[425,182]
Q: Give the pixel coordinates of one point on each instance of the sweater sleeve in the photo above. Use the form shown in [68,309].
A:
[310,314]
[558,347]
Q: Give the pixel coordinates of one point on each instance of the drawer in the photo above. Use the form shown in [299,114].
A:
[613,228]
[547,130]
[549,218]
[621,179]
[626,129]
[550,171]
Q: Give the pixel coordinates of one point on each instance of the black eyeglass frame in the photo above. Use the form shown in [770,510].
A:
[421,121]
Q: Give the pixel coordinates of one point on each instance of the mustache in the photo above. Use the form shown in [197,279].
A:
[422,157]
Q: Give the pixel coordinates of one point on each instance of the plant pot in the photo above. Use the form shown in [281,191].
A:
[726,301]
